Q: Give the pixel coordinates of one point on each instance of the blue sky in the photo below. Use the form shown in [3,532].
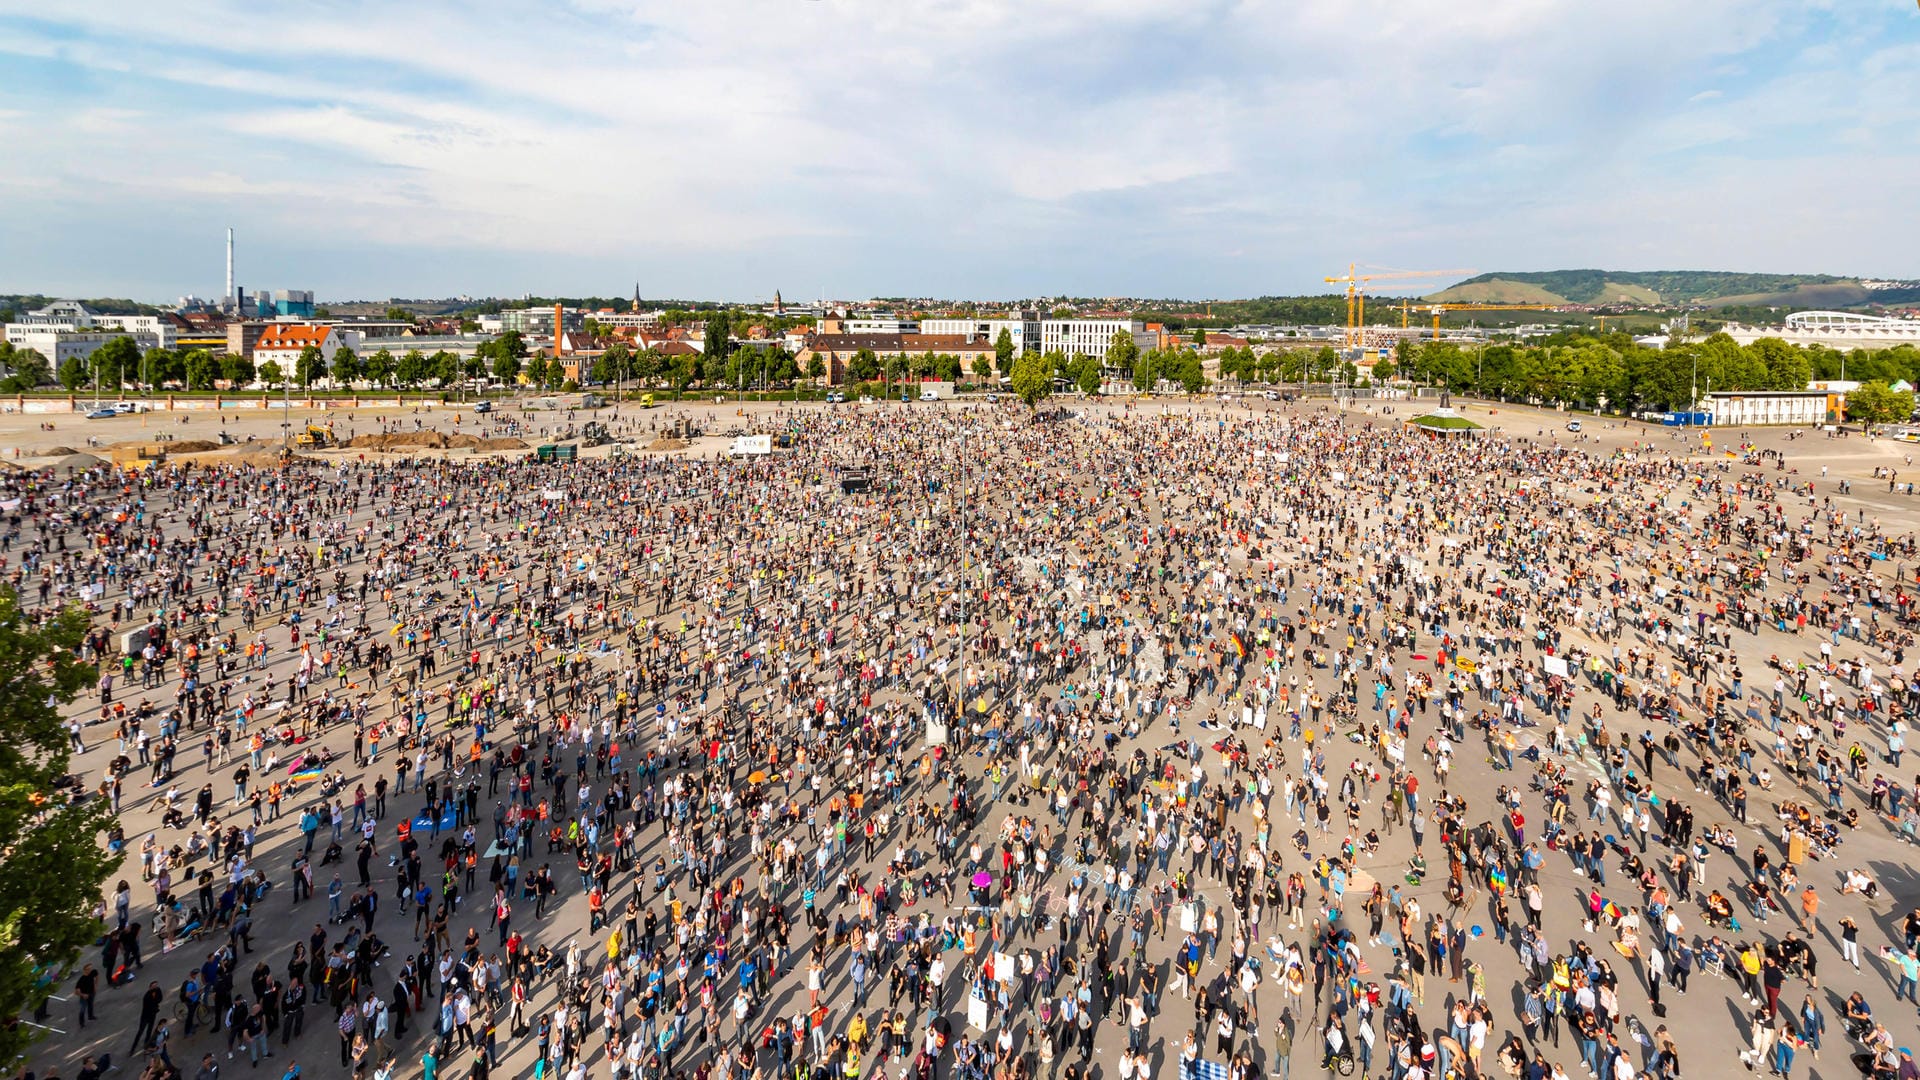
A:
[982,148]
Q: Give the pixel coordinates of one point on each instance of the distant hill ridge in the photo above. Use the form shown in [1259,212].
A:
[1713,288]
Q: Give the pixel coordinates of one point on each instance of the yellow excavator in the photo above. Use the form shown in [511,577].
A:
[315,437]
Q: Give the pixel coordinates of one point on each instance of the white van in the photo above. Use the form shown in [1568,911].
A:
[751,446]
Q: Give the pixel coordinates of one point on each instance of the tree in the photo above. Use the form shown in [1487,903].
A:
[1146,369]
[202,369]
[346,366]
[1032,379]
[114,362]
[1200,336]
[29,368]
[506,366]
[1089,376]
[271,374]
[73,373]
[619,362]
[380,367]
[1003,352]
[718,339]
[311,364]
[411,369]
[816,368]
[1874,403]
[444,366]
[1122,353]
[649,365]
[236,369]
[982,367]
[1383,370]
[52,862]
[160,366]
[400,314]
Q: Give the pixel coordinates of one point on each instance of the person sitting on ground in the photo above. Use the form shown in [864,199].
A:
[1857,881]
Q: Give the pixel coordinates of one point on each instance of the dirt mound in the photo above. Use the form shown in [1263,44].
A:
[409,440]
[76,462]
[665,443]
[57,451]
[259,455]
[181,446]
[504,443]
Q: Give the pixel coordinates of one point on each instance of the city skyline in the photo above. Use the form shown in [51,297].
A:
[847,149]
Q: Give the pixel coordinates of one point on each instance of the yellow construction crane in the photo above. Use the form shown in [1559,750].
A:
[1357,299]
[1441,309]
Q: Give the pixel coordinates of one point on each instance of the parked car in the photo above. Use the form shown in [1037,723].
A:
[1272,395]
[483,406]
[128,408]
[835,397]
[104,412]
[1573,425]
[866,399]
[929,395]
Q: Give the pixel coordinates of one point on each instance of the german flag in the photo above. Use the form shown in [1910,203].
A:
[1239,644]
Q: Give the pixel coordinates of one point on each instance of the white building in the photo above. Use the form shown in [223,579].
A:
[282,343]
[1754,408]
[1086,337]
[1024,330]
[882,324]
[65,328]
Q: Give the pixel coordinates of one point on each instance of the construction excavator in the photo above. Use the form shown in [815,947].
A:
[315,437]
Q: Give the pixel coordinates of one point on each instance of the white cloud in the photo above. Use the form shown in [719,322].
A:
[843,131]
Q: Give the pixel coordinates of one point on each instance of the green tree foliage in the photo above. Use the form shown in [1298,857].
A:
[400,314]
[346,367]
[26,368]
[159,367]
[1200,336]
[1088,375]
[380,367]
[982,367]
[52,862]
[1874,402]
[236,369]
[271,374]
[1003,352]
[718,341]
[863,365]
[202,369]
[73,373]
[411,369]
[1122,352]
[115,362]
[1032,379]
[310,365]
[445,366]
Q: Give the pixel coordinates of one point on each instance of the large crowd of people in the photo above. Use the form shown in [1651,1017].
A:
[1386,751]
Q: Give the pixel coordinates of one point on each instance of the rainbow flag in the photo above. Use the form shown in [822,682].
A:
[314,772]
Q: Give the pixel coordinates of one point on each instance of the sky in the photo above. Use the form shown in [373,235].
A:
[949,148]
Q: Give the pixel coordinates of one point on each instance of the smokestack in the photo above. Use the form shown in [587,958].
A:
[556,331]
[230,294]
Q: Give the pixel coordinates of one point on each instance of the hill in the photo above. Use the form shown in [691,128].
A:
[1672,287]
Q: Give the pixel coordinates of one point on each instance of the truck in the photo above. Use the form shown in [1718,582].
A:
[751,446]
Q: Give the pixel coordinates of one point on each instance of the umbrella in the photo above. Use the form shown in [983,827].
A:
[983,879]
[757,777]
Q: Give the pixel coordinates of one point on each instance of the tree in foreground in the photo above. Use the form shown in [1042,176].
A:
[1032,379]
[52,863]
